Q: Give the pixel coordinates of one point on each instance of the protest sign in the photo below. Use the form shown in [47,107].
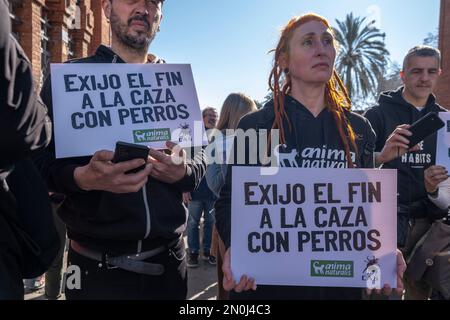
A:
[96,105]
[443,142]
[315,227]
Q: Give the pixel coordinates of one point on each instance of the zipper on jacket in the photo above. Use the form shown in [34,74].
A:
[147,217]
[144,195]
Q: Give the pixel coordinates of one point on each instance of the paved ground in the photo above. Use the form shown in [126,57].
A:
[202,284]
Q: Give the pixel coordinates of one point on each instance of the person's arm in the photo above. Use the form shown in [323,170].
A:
[223,210]
[175,169]
[24,125]
[396,145]
[195,171]
[367,155]
[59,174]
[375,120]
[214,177]
[223,225]
[241,156]
[78,175]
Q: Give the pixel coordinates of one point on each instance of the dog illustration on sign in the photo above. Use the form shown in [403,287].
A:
[318,269]
[140,136]
[372,273]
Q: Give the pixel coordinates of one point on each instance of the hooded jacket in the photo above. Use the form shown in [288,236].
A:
[313,142]
[117,223]
[393,110]
[306,142]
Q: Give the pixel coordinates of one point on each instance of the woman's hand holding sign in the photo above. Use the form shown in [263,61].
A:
[387,290]
[102,174]
[245,282]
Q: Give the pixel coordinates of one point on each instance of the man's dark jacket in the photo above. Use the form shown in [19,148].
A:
[117,223]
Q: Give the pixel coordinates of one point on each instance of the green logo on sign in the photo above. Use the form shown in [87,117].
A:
[151,135]
[329,268]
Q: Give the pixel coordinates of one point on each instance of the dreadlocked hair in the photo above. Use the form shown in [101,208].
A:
[336,95]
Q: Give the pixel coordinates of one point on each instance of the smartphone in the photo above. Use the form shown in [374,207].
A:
[128,151]
[424,127]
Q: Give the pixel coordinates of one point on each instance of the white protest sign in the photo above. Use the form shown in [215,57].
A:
[443,142]
[96,105]
[315,227]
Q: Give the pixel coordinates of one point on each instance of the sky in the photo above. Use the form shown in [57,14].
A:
[227,42]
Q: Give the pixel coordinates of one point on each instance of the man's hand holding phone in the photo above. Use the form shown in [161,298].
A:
[397,144]
[406,137]
[101,173]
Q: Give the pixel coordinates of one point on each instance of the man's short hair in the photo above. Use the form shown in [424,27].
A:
[422,51]
[208,109]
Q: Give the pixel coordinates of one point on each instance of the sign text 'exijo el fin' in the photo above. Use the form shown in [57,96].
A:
[314,227]
[96,105]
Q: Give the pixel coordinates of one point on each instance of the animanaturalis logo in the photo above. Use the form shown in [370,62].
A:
[151,135]
[330,268]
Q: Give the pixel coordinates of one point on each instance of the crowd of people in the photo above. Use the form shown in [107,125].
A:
[111,215]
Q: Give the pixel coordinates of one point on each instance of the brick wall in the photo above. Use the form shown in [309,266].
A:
[93,29]
[101,27]
[60,15]
[443,90]
[82,36]
[29,30]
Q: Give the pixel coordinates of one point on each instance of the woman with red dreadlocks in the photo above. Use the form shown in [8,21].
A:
[311,110]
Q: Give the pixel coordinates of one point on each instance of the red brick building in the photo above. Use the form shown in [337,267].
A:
[52,31]
[443,91]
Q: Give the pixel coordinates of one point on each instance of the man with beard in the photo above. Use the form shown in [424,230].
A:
[125,229]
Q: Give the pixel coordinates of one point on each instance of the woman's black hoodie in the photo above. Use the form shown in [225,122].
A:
[308,135]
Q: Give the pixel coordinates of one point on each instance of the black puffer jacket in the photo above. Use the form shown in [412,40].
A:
[117,223]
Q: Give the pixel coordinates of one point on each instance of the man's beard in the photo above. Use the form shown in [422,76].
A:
[137,42]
